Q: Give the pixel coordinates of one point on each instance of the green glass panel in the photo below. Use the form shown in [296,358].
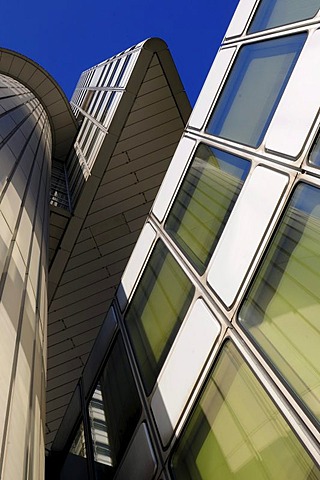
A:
[204,202]
[156,312]
[274,13]
[236,432]
[281,312]
[254,88]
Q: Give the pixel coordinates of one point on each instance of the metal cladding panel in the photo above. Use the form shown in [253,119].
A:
[185,361]
[48,92]
[211,87]
[291,123]
[137,259]
[172,178]
[244,231]
[24,217]
[240,18]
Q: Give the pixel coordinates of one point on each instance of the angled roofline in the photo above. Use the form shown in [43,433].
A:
[149,49]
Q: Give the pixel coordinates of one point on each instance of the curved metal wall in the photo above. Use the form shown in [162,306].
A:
[25,157]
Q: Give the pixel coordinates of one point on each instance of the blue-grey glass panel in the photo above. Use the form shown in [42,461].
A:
[314,157]
[281,311]
[157,311]
[205,201]
[237,433]
[122,71]
[254,88]
[274,13]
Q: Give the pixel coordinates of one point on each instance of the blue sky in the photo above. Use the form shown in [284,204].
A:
[69,36]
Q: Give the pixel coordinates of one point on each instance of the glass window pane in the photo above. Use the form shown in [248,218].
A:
[273,13]
[314,157]
[99,431]
[156,312]
[114,409]
[236,432]
[282,309]
[205,201]
[78,446]
[254,88]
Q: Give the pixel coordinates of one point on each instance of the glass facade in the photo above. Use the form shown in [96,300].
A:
[94,102]
[236,432]
[204,202]
[281,310]
[274,13]
[156,312]
[253,89]
[206,365]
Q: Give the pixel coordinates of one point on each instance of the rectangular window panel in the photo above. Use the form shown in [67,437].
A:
[274,13]
[254,88]
[114,410]
[204,203]
[281,312]
[236,432]
[156,312]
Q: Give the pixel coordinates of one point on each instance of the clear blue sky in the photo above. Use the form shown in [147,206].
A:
[69,36]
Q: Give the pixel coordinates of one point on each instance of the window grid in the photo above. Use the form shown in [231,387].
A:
[286,404]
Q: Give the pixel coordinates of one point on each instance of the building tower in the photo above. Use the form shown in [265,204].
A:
[32,109]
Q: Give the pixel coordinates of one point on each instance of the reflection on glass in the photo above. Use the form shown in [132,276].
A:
[78,446]
[254,88]
[156,312]
[236,432]
[205,201]
[314,157]
[99,429]
[114,409]
[281,312]
[273,13]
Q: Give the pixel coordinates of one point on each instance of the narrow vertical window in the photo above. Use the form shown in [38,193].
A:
[314,156]
[114,410]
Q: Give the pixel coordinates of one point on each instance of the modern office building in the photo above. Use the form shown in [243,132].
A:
[206,365]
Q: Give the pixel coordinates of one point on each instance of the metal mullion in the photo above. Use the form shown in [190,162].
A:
[92,119]
[111,89]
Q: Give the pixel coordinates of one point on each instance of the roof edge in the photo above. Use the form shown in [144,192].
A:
[50,94]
